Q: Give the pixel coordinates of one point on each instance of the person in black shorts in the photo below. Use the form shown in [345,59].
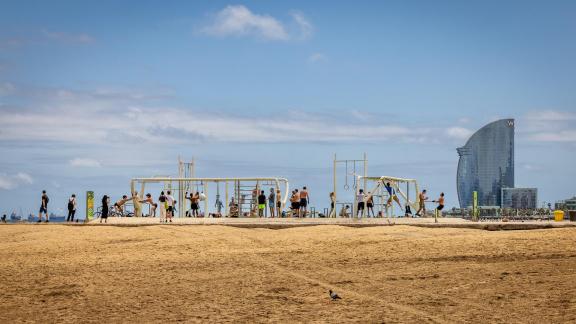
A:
[360,198]
[43,207]
[370,204]
[71,208]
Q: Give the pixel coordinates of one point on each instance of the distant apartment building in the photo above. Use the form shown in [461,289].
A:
[486,164]
[520,198]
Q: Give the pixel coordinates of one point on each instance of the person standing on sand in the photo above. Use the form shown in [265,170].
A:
[261,203]
[360,198]
[71,208]
[278,203]
[163,206]
[271,202]
[170,200]
[43,207]
[422,203]
[370,204]
[105,202]
[304,201]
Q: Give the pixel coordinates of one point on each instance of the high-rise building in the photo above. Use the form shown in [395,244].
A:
[521,198]
[486,164]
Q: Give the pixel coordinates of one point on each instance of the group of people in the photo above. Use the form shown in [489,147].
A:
[366,201]
[167,203]
[299,201]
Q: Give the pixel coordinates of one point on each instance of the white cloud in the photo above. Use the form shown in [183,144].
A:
[12,181]
[238,20]
[304,26]
[460,133]
[316,57]
[85,163]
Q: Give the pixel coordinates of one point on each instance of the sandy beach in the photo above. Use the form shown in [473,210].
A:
[57,273]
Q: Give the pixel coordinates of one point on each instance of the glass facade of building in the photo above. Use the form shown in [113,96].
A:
[486,164]
[521,198]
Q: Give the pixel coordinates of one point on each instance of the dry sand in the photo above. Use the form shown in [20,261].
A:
[55,273]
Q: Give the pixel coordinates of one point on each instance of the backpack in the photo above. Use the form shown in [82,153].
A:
[70,204]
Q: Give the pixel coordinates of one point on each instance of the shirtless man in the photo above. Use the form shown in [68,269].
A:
[119,205]
[304,201]
[422,203]
[194,203]
[440,202]
[153,205]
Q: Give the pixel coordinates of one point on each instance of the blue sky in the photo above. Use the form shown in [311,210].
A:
[93,93]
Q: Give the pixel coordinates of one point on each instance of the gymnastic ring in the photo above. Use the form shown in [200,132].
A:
[346,187]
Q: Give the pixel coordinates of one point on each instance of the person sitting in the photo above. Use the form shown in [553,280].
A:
[344,211]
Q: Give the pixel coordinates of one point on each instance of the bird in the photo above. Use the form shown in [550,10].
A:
[333,295]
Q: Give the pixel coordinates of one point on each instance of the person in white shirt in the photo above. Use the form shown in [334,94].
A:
[361,203]
[170,200]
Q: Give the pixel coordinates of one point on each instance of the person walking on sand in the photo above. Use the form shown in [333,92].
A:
[71,208]
[105,202]
[422,203]
[171,203]
[163,206]
[261,203]
[271,202]
[361,201]
[440,202]
[43,207]
[304,201]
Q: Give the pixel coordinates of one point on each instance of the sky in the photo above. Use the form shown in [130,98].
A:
[93,93]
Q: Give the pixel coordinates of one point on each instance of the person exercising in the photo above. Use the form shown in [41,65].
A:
[119,205]
[440,202]
[422,203]
[392,194]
